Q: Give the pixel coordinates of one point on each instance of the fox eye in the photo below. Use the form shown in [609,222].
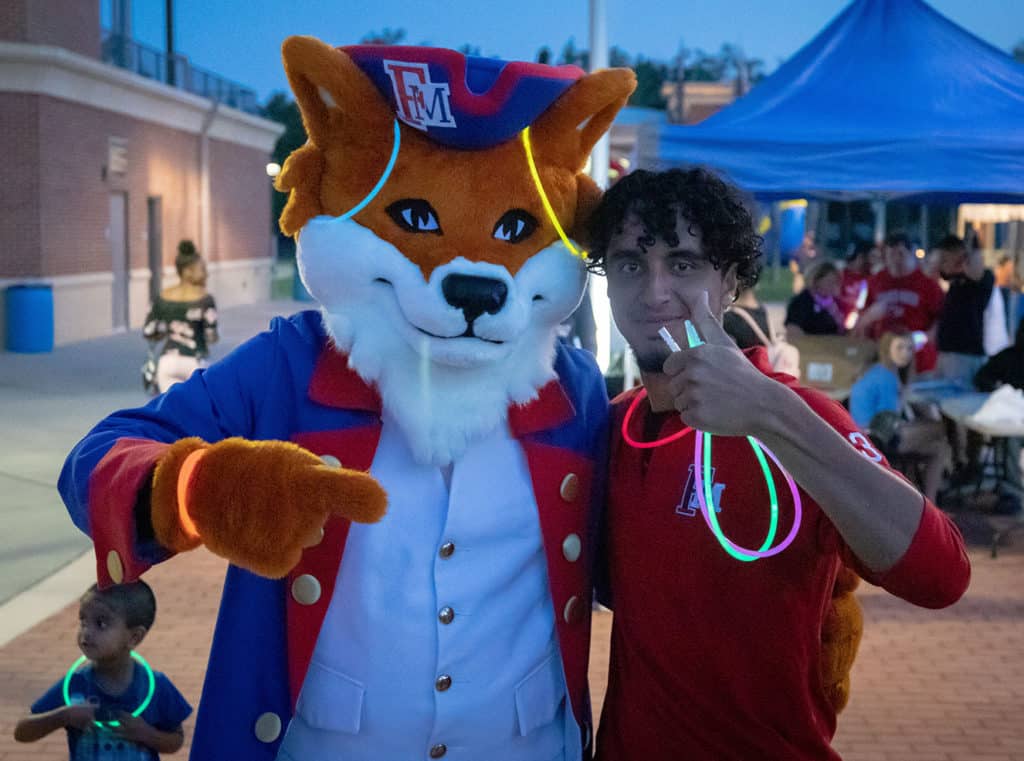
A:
[515,226]
[415,215]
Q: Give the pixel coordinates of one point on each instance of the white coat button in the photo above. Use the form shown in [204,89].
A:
[330,461]
[438,750]
[572,547]
[570,487]
[306,589]
[268,727]
[114,567]
[573,610]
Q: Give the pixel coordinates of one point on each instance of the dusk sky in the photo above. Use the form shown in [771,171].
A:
[244,46]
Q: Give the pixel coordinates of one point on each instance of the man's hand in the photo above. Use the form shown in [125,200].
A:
[714,386]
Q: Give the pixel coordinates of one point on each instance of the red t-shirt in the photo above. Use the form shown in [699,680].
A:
[849,290]
[714,658]
[913,302]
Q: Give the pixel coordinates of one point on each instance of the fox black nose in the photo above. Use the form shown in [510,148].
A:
[474,295]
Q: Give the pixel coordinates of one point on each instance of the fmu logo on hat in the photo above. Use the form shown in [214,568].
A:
[420,103]
[458,100]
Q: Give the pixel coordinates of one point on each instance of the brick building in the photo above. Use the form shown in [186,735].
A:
[107,167]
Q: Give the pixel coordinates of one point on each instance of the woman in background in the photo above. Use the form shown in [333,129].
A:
[816,310]
[186,316]
[879,406]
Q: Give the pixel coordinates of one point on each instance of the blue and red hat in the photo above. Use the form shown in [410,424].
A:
[459,100]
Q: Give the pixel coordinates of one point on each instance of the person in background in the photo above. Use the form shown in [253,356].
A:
[1007,367]
[184,316]
[112,708]
[815,310]
[739,328]
[854,281]
[961,330]
[901,298]
[878,405]
[1010,287]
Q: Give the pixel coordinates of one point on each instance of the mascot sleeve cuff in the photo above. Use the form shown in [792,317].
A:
[113,491]
[935,570]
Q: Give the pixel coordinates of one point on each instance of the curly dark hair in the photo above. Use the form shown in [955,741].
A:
[712,206]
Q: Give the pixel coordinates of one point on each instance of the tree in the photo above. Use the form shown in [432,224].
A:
[649,78]
[281,108]
[544,55]
[387,36]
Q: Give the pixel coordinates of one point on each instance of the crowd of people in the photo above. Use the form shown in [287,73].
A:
[942,317]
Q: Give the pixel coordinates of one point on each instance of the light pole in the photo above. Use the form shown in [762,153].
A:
[599,173]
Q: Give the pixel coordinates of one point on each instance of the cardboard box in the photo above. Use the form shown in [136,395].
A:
[832,363]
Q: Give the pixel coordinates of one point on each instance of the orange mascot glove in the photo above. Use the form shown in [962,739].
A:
[840,636]
[255,503]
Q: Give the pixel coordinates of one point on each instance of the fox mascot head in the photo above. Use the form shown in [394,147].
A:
[422,230]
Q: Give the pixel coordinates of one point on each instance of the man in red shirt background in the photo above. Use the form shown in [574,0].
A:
[713,657]
[903,299]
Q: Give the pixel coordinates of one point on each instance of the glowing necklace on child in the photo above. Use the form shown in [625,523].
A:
[137,712]
[702,473]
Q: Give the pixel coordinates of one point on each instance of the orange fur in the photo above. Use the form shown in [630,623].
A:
[256,503]
[351,142]
[840,637]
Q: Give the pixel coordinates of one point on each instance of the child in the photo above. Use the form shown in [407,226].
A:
[111,685]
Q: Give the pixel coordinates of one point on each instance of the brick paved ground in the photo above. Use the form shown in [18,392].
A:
[928,686]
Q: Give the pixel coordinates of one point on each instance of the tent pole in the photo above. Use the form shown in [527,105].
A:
[924,226]
[880,220]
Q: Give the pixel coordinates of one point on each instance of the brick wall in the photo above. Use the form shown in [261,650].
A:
[240,202]
[74,193]
[19,191]
[70,24]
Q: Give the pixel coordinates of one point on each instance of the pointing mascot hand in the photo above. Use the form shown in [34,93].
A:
[288,493]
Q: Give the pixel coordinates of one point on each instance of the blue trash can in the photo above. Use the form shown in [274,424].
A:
[28,315]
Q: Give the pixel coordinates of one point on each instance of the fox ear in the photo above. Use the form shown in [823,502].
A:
[592,102]
[332,92]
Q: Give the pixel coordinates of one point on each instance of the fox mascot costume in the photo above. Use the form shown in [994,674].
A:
[425,426]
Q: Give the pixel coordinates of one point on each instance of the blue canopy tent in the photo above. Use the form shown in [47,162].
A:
[891,100]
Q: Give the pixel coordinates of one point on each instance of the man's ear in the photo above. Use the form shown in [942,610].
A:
[730,281]
[567,131]
[332,91]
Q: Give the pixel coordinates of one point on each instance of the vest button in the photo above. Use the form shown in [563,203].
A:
[570,487]
[446,615]
[447,549]
[306,589]
[573,611]
[438,750]
[572,547]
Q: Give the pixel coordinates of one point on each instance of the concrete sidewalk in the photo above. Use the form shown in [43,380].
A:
[48,402]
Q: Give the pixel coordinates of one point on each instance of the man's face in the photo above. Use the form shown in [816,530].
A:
[651,284]
[898,260]
[952,264]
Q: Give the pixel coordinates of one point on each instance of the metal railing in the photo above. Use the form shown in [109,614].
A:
[176,71]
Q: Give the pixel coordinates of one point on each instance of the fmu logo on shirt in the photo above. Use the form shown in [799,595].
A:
[689,505]
[420,102]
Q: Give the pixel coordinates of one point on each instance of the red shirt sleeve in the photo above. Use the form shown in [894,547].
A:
[935,570]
